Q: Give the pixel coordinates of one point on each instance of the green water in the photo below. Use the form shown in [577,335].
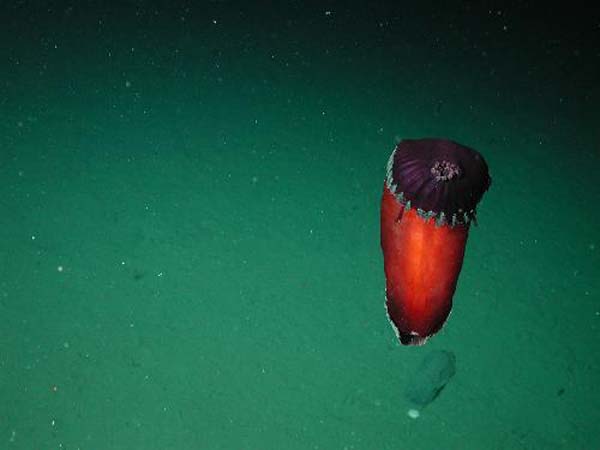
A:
[189,225]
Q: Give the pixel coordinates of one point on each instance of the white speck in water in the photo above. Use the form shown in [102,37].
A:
[413,413]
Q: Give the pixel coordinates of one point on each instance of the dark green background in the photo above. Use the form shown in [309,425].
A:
[207,175]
